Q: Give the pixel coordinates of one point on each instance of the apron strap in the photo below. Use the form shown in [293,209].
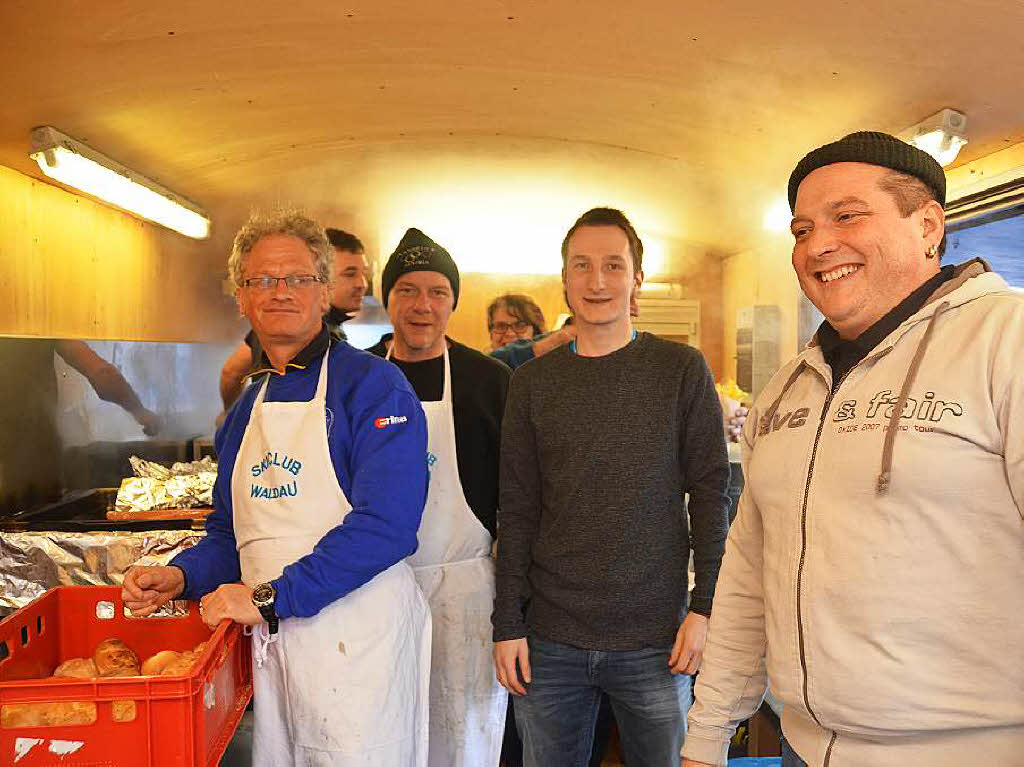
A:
[261,640]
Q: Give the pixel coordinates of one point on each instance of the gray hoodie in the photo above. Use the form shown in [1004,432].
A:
[874,576]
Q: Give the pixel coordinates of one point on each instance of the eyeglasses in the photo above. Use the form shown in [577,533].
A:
[501,328]
[292,282]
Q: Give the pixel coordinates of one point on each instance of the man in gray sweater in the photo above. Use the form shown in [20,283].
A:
[602,438]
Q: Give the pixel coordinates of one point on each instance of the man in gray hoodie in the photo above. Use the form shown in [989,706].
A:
[873,574]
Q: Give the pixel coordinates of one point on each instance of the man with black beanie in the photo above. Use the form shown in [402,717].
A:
[462,393]
[873,573]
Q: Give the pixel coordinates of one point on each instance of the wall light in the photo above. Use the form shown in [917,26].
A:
[71,162]
[777,216]
[940,135]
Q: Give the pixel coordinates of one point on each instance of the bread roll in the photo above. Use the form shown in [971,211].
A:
[114,658]
[80,668]
[155,664]
[181,666]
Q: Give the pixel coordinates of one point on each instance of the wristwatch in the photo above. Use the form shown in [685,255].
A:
[263,597]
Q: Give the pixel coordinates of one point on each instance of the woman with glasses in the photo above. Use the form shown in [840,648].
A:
[513,317]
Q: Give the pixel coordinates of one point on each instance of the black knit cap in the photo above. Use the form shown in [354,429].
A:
[875,149]
[418,253]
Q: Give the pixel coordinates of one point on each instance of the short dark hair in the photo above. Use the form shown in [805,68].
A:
[342,240]
[910,194]
[521,307]
[608,217]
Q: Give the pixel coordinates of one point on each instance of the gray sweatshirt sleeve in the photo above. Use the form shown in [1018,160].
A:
[519,505]
[705,469]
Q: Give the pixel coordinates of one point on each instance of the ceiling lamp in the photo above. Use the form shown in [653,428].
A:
[71,162]
[940,135]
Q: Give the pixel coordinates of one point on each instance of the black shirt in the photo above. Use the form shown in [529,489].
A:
[842,355]
[479,389]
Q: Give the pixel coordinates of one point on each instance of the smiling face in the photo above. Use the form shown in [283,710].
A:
[282,315]
[505,327]
[855,255]
[419,306]
[350,280]
[598,276]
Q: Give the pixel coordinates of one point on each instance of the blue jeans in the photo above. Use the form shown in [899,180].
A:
[789,757]
[556,716]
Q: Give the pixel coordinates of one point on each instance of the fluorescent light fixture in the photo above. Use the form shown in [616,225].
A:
[71,162]
[940,135]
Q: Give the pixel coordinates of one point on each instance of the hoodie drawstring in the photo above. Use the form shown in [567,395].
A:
[770,412]
[885,474]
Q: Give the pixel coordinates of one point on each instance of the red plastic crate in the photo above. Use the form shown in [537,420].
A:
[183,721]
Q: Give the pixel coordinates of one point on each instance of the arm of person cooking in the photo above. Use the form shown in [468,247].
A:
[387,468]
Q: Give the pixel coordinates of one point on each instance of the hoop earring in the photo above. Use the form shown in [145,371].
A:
[932,252]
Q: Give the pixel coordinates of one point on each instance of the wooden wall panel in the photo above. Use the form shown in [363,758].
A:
[71,267]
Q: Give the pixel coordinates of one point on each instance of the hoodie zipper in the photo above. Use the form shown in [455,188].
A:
[803,552]
[828,751]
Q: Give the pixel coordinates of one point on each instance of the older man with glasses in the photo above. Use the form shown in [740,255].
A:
[307,516]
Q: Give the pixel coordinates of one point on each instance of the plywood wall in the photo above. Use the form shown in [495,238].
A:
[71,267]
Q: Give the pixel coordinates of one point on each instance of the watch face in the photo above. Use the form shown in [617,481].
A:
[263,594]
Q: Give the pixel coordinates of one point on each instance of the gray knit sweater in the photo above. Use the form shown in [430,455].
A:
[596,455]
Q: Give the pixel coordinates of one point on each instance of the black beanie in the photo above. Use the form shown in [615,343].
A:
[418,253]
[875,149]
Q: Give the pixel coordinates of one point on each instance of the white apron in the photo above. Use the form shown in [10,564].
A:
[347,687]
[454,568]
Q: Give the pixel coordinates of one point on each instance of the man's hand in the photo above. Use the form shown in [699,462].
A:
[553,340]
[147,589]
[510,658]
[232,601]
[689,647]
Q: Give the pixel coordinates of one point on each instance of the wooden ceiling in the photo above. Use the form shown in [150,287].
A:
[691,112]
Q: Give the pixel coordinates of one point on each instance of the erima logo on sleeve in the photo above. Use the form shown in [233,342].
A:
[383,423]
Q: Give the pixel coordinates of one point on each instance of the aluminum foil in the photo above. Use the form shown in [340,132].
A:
[183,486]
[32,562]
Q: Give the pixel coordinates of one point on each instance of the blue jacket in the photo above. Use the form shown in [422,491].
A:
[517,352]
[382,471]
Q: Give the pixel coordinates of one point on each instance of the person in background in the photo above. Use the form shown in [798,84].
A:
[513,317]
[350,282]
[108,382]
[321,481]
[515,353]
[602,440]
[462,393]
[873,573]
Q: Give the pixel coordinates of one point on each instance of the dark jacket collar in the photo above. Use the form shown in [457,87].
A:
[311,352]
[829,338]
